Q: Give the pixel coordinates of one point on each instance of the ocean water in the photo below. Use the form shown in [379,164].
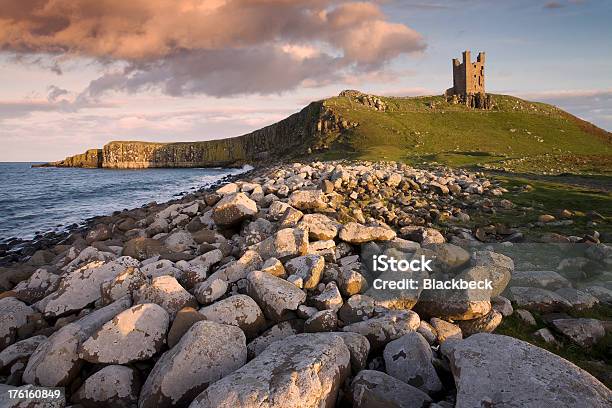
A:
[34,200]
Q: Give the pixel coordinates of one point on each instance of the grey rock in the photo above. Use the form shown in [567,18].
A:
[208,352]
[539,300]
[307,267]
[15,317]
[238,310]
[322,321]
[277,297]
[274,333]
[121,285]
[234,208]
[355,233]
[284,244]
[315,364]
[374,389]
[166,292]
[56,361]
[114,386]
[584,332]
[498,370]
[385,327]
[550,280]
[81,287]
[319,226]
[409,359]
[134,334]
[19,351]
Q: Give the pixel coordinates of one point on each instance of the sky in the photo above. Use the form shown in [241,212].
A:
[76,74]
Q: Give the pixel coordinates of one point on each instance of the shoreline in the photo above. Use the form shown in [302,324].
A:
[15,249]
[285,258]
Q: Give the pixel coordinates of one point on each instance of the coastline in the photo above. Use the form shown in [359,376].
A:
[284,255]
[16,249]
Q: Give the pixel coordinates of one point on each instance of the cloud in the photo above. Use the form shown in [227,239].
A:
[215,47]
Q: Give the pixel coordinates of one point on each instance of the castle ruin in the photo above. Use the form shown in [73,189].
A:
[469,82]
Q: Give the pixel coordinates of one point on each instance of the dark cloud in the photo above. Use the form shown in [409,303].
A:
[55,92]
[216,47]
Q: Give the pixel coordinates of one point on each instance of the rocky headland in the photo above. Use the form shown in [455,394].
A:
[259,293]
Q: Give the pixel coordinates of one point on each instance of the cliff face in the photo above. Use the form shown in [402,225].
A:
[293,135]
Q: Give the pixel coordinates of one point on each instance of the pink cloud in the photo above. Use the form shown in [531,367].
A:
[215,47]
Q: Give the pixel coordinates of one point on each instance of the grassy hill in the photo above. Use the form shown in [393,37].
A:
[515,135]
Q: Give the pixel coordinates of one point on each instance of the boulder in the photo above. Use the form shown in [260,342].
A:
[274,267]
[496,370]
[166,292]
[385,327]
[284,244]
[81,287]
[584,332]
[100,232]
[19,352]
[234,271]
[210,290]
[143,248]
[208,352]
[308,200]
[114,386]
[274,333]
[276,297]
[329,298]
[372,389]
[355,233]
[321,321]
[448,257]
[319,227]
[307,267]
[305,370]
[358,346]
[16,320]
[484,324]
[550,280]
[358,308]
[185,318]
[196,270]
[123,284]
[160,268]
[238,310]
[37,286]
[580,300]
[56,362]
[179,241]
[539,300]
[134,334]
[453,304]
[497,272]
[409,359]
[445,330]
[233,209]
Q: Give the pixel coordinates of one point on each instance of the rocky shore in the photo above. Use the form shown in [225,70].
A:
[259,293]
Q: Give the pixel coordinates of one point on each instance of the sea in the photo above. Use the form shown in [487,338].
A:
[44,199]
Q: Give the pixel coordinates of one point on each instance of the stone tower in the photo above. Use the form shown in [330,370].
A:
[469,82]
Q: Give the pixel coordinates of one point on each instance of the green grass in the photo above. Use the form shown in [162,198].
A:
[516,135]
[550,197]
[596,360]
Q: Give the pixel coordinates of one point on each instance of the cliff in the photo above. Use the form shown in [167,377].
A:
[294,135]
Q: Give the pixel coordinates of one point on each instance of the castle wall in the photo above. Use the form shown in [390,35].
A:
[468,76]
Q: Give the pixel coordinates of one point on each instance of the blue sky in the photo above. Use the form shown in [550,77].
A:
[64,91]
